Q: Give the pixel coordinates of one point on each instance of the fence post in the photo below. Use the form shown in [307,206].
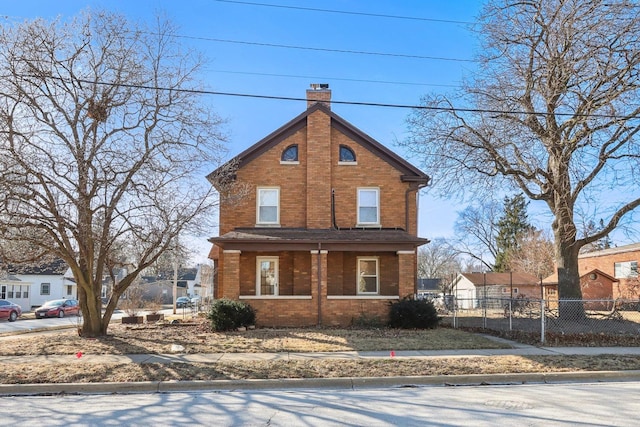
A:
[510,315]
[542,317]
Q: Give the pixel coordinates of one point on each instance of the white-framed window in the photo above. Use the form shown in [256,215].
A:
[268,206]
[267,276]
[368,275]
[368,206]
[624,270]
[45,288]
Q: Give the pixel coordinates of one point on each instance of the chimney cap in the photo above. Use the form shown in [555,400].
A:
[319,86]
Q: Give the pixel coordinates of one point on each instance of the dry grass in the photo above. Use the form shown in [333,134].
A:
[195,339]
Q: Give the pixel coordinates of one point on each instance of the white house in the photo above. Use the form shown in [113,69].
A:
[46,282]
[15,290]
[470,288]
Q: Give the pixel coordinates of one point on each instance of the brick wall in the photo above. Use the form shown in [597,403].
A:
[625,288]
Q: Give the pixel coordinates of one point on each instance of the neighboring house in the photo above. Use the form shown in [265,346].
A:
[326,231]
[429,288]
[595,285]
[470,288]
[15,290]
[621,263]
[47,281]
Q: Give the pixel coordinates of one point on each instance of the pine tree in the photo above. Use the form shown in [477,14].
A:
[511,226]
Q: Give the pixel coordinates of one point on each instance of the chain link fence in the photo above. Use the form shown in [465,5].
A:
[544,318]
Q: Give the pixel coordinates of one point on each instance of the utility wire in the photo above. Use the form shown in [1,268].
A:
[331,78]
[368,104]
[322,49]
[344,12]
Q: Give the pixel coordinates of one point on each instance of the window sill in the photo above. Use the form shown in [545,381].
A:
[281,297]
[285,162]
[347,163]
[380,297]
[259,225]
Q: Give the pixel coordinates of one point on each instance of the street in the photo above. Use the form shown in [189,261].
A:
[23,325]
[586,404]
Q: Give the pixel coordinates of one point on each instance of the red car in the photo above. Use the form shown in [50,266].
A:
[9,310]
[58,308]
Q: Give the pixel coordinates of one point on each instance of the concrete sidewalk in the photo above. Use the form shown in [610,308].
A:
[520,350]
[341,383]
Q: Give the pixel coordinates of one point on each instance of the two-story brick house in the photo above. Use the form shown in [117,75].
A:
[326,231]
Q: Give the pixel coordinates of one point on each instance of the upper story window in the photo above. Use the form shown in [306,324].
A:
[368,206]
[368,276]
[347,155]
[624,270]
[268,206]
[290,154]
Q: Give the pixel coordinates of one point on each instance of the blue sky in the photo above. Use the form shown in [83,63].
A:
[442,53]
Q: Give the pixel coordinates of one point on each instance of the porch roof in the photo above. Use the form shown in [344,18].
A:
[310,239]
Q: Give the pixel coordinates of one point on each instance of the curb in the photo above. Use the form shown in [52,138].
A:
[315,383]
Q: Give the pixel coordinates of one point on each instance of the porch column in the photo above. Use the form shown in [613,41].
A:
[319,280]
[406,273]
[230,274]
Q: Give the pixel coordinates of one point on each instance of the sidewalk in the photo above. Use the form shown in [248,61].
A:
[350,383]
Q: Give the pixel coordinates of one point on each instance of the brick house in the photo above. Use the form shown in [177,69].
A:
[595,285]
[620,263]
[326,230]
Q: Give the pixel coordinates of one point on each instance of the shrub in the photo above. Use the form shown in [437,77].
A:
[226,314]
[412,313]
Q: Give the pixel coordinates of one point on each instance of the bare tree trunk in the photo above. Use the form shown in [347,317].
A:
[569,291]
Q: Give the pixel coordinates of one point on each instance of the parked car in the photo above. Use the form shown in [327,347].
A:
[196,300]
[58,308]
[9,310]
[183,302]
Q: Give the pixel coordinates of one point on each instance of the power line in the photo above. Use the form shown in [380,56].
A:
[332,78]
[344,12]
[321,49]
[367,104]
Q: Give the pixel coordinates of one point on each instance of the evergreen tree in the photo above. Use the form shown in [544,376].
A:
[511,226]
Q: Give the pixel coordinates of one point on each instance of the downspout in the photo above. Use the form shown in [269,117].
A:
[319,285]
[333,209]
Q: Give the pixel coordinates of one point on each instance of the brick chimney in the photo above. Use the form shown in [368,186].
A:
[319,92]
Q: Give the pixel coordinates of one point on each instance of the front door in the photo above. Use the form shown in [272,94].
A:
[268,276]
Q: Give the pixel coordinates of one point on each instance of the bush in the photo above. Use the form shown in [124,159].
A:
[410,313]
[226,315]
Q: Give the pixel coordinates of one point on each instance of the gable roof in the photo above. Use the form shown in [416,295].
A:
[502,279]
[52,268]
[553,279]
[409,172]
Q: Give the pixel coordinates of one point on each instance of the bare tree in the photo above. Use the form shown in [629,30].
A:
[104,146]
[552,112]
[476,232]
[533,254]
[437,260]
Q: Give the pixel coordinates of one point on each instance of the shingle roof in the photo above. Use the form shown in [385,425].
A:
[502,279]
[296,235]
[57,267]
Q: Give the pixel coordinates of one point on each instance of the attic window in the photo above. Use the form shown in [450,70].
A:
[290,154]
[347,155]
